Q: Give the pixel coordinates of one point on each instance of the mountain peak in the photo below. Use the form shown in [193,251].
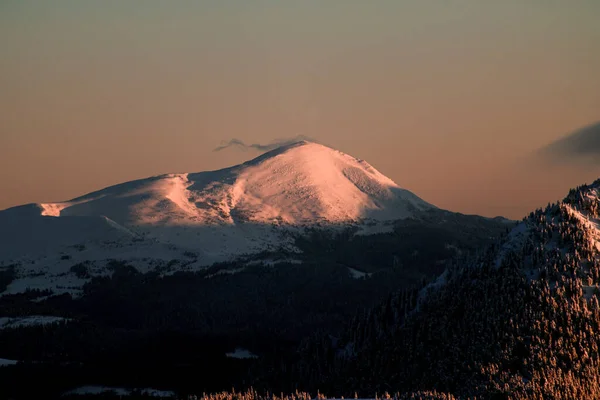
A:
[299,183]
[285,148]
[300,146]
[292,145]
[304,182]
[229,211]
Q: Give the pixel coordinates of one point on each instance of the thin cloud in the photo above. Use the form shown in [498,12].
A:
[240,145]
[581,146]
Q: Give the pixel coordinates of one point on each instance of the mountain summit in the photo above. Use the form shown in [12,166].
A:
[260,205]
[301,183]
[257,257]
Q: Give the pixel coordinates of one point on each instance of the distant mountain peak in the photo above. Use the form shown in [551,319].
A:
[299,183]
[217,215]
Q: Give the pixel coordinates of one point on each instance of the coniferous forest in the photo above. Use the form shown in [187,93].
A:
[521,320]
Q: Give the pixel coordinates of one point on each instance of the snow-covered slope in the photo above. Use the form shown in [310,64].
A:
[215,215]
[577,218]
[565,235]
[302,183]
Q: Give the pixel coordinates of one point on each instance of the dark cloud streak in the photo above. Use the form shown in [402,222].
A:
[239,144]
[581,146]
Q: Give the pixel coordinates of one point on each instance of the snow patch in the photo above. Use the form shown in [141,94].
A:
[374,228]
[99,390]
[590,224]
[6,362]
[178,194]
[31,320]
[515,241]
[53,210]
[225,272]
[435,285]
[356,274]
[241,354]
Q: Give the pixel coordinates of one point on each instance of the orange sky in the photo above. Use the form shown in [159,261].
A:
[447,98]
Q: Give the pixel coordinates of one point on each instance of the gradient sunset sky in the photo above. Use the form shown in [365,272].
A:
[449,98]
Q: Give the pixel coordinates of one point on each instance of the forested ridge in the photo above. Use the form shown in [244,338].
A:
[519,320]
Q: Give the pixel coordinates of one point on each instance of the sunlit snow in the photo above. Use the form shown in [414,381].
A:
[214,216]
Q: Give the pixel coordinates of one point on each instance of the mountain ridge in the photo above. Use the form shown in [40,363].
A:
[262,205]
[296,184]
[518,319]
[240,279]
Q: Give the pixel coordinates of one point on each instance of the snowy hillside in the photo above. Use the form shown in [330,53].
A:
[303,183]
[201,217]
[521,314]
[577,212]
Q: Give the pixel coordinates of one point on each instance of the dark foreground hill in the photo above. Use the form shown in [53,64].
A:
[521,321]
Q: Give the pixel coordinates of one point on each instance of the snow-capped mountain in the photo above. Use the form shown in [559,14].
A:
[149,274]
[303,183]
[211,216]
